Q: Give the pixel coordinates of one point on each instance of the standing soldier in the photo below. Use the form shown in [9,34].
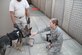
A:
[19,13]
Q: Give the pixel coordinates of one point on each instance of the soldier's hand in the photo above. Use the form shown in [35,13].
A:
[49,45]
[16,26]
[33,33]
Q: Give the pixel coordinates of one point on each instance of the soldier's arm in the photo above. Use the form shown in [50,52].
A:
[12,17]
[11,11]
[27,13]
[44,30]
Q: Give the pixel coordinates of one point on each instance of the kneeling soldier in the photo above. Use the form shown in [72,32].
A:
[54,38]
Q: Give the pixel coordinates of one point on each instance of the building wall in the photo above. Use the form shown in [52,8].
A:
[69,14]
[5,21]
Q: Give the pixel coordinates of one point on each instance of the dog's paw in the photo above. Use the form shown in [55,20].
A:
[18,49]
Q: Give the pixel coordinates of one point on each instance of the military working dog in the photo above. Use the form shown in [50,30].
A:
[9,37]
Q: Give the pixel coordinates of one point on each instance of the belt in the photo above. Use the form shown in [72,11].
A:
[19,17]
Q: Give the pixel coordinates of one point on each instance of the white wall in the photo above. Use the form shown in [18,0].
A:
[5,21]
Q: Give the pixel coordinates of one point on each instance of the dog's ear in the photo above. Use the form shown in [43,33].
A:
[30,28]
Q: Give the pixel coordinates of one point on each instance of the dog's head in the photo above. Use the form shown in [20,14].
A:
[27,31]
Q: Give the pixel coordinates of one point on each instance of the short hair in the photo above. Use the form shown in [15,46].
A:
[54,21]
